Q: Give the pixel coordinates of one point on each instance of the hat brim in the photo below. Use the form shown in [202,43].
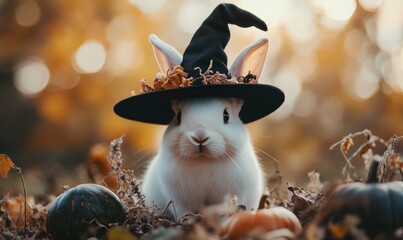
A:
[155,107]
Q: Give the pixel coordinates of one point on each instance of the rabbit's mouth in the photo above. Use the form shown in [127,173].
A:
[202,151]
[210,151]
[200,144]
[202,148]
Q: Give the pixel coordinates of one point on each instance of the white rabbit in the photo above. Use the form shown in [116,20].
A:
[206,150]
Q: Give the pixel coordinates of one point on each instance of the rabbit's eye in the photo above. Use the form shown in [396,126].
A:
[178,117]
[226,116]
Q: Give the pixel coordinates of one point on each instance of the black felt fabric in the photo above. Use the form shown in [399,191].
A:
[209,41]
[155,107]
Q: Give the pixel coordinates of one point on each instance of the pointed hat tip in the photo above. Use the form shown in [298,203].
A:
[209,41]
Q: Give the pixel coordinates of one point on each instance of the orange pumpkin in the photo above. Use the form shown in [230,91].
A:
[243,224]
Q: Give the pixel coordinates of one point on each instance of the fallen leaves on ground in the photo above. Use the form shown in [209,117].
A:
[144,222]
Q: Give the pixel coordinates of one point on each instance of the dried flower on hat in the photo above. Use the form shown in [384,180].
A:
[176,77]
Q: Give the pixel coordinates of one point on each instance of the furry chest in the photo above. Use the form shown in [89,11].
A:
[206,185]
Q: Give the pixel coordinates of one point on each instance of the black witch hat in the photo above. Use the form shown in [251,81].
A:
[206,53]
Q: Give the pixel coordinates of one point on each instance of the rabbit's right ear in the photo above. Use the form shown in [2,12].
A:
[165,55]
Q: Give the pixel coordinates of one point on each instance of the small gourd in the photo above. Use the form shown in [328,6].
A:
[376,208]
[243,224]
[76,211]
[355,210]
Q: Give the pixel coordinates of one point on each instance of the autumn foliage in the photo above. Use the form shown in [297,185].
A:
[341,209]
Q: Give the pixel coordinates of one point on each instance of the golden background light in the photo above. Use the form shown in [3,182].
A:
[64,64]
[31,76]
[341,10]
[28,13]
[90,57]
[370,5]
[288,81]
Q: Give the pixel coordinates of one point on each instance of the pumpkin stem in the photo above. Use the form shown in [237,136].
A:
[373,172]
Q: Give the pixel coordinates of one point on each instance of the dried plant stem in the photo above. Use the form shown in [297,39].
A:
[167,206]
[348,160]
[25,196]
[351,135]
[345,144]
[391,146]
[208,71]
[263,200]
[388,156]
[376,139]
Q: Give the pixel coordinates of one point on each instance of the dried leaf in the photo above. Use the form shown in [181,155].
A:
[98,164]
[144,87]
[347,143]
[250,78]
[5,165]
[314,185]
[394,161]
[302,199]
[264,201]
[186,82]
[14,208]
[159,79]
[99,167]
[367,156]
[176,77]
[276,186]
[349,226]
[338,231]
[366,147]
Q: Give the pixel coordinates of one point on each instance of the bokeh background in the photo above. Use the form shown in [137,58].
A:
[65,63]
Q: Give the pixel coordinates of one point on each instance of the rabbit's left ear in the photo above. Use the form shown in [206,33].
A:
[252,58]
[165,55]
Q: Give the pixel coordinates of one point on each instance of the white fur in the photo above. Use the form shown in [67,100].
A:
[166,55]
[227,164]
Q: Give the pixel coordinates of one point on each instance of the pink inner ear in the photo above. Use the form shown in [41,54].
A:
[252,58]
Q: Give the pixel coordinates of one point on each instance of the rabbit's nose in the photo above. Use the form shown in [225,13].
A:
[200,140]
[200,136]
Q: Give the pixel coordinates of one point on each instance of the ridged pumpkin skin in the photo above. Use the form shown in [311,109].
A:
[69,215]
[242,224]
[378,206]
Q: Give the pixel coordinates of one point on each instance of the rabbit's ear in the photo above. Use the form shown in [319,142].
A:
[252,58]
[166,55]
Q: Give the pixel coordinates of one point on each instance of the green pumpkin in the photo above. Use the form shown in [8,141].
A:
[70,214]
[377,208]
